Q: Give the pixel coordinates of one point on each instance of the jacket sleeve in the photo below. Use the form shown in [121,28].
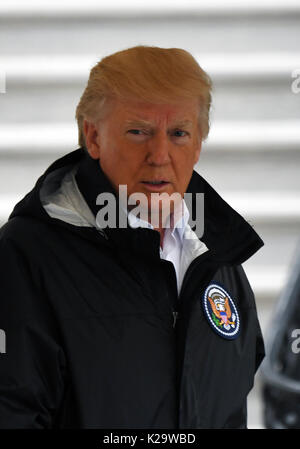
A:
[247,292]
[32,363]
[260,347]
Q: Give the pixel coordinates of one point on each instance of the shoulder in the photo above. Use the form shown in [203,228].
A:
[235,281]
[16,224]
[23,233]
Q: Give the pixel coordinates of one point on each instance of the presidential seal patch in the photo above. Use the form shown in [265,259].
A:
[221,311]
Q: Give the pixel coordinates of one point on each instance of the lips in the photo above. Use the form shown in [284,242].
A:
[158,182]
[155,185]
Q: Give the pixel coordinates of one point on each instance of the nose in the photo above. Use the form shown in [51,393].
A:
[158,149]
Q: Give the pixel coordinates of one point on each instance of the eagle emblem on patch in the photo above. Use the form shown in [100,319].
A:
[221,311]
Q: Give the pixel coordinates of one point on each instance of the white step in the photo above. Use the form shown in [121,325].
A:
[233,136]
[267,282]
[264,171]
[31,31]
[266,206]
[243,171]
[68,68]
[94,7]
[241,82]
[257,207]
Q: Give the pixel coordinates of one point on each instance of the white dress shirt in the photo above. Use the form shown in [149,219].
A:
[180,244]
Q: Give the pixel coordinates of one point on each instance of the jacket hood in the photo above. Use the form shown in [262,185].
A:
[229,237]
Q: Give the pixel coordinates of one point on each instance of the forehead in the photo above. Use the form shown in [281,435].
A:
[185,111]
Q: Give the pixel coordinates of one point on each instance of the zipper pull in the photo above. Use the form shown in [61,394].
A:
[175,314]
[103,233]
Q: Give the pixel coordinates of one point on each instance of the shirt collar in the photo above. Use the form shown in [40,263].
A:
[181,215]
[182,221]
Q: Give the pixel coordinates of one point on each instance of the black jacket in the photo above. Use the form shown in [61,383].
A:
[89,318]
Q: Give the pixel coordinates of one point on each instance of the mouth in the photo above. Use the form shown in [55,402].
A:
[155,185]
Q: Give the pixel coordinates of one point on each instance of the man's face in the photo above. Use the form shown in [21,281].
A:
[142,144]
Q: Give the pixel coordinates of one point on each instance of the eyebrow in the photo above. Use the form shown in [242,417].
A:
[141,122]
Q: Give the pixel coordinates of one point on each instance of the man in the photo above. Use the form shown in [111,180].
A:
[142,325]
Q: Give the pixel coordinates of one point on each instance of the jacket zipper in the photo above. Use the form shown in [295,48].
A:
[103,233]
[175,315]
[175,312]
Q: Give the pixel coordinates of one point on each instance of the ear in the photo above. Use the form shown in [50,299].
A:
[91,139]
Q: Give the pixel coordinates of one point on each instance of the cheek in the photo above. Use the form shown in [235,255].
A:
[185,163]
[110,155]
[184,170]
[123,166]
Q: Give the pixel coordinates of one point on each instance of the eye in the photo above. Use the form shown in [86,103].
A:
[134,131]
[180,133]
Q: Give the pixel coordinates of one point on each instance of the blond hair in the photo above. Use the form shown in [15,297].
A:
[149,74]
